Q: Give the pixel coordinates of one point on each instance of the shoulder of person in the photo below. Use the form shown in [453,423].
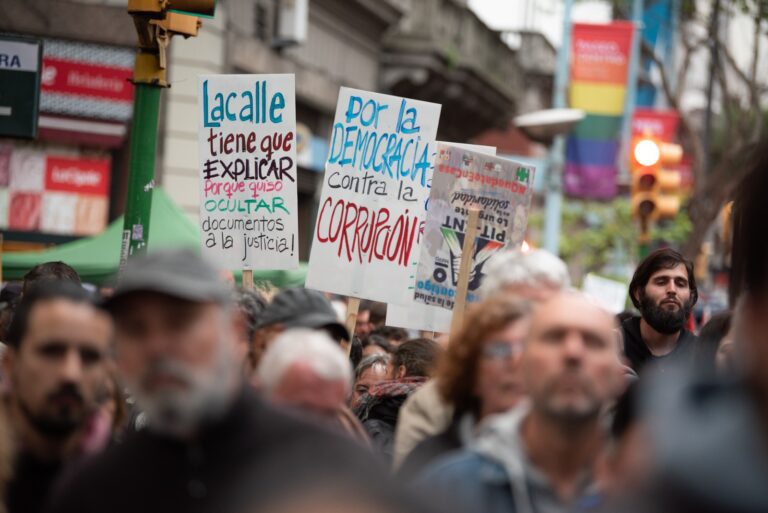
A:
[464,466]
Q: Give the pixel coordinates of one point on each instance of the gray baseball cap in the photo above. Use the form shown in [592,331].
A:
[180,273]
[303,308]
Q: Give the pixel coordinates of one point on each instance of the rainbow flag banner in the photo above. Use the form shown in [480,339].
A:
[599,65]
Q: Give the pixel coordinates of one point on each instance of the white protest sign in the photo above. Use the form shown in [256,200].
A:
[501,188]
[247,148]
[375,186]
[419,317]
[611,294]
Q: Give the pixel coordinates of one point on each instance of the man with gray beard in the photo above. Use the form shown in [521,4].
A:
[206,435]
[541,455]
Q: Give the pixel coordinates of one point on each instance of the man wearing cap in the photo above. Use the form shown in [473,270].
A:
[296,308]
[175,336]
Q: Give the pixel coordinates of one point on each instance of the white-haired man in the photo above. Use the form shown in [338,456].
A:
[535,276]
[304,369]
[307,372]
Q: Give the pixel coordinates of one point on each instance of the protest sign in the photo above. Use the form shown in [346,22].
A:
[374,193]
[463,179]
[611,294]
[418,316]
[247,147]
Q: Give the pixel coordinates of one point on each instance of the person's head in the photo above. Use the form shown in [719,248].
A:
[376,344]
[532,275]
[306,370]
[414,358]
[176,336]
[363,324]
[748,283]
[378,316]
[372,370]
[251,304]
[58,345]
[395,336]
[9,296]
[480,372]
[49,271]
[664,289]
[299,308]
[571,361]
[715,344]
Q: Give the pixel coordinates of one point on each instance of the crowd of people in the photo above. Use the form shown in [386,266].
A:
[178,392]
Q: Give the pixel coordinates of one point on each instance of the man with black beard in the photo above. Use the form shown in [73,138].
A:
[56,366]
[664,290]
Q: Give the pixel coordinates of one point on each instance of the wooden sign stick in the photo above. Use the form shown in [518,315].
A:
[247,279]
[464,269]
[353,306]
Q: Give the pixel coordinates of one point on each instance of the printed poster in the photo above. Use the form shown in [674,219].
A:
[248,172]
[501,188]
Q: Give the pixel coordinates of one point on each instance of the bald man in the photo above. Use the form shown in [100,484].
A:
[540,455]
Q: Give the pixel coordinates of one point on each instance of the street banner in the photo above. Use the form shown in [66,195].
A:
[611,294]
[658,123]
[376,184]
[599,65]
[502,189]
[247,148]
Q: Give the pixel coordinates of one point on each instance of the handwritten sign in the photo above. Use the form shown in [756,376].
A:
[501,188]
[247,147]
[374,193]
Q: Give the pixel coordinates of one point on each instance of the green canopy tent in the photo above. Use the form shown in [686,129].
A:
[97,258]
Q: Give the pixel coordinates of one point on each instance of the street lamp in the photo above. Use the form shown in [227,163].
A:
[549,127]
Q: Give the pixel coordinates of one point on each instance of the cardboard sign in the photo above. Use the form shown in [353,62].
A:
[247,146]
[501,188]
[376,184]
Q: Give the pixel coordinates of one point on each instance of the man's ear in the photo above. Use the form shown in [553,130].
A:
[401,372]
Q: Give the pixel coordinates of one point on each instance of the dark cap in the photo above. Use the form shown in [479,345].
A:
[180,273]
[303,308]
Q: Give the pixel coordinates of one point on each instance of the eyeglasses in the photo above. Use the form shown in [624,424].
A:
[501,349]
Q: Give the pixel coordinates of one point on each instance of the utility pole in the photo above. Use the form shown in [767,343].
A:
[554,198]
[156,22]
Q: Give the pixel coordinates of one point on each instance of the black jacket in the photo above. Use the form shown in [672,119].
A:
[710,449]
[639,355]
[31,483]
[254,451]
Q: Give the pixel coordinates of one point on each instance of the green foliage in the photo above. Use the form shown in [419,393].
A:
[593,233]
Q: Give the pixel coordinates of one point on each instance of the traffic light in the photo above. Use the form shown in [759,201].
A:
[156,22]
[655,190]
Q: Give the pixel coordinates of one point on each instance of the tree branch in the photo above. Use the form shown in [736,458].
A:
[697,148]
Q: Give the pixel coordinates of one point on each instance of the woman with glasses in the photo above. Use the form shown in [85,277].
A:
[479,375]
